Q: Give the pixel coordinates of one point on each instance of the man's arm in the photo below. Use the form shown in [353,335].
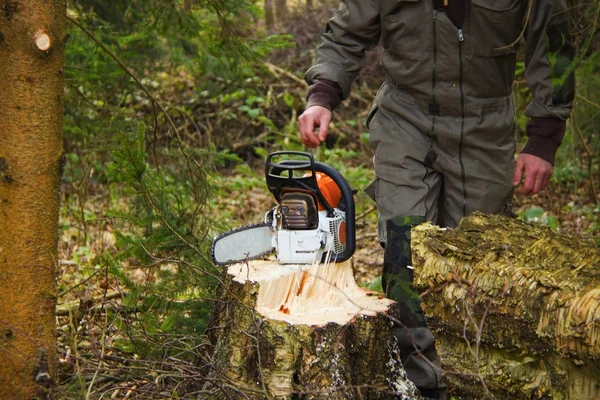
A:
[548,57]
[352,30]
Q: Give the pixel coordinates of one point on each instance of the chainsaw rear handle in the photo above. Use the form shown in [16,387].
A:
[276,182]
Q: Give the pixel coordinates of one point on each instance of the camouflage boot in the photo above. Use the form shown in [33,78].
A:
[415,340]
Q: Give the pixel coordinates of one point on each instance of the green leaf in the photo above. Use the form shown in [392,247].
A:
[374,284]
[168,323]
[364,138]
[288,99]
[254,112]
[533,213]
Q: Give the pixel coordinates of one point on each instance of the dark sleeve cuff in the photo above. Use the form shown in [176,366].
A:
[324,93]
[545,136]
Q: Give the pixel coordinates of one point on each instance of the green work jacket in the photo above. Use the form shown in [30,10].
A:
[450,70]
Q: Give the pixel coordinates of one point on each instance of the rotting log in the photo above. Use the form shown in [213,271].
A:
[515,307]
[293,331]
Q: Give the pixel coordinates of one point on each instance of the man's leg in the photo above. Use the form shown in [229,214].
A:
[406,191]
[415,340]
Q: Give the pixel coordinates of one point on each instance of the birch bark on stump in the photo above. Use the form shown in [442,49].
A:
[512,305]
[292,331]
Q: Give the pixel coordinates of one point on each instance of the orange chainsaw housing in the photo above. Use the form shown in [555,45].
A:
[332,193]
[329,189]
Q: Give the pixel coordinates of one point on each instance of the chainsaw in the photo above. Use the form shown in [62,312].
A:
[313,220]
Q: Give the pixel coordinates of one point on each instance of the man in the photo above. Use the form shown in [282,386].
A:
[442,127]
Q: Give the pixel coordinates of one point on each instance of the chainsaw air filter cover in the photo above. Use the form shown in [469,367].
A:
[299,211]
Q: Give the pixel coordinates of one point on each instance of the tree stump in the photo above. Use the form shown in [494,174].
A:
[515,308]
[294,331]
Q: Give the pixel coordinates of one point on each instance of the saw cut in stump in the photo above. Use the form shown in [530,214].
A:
[302,331]
[515,308]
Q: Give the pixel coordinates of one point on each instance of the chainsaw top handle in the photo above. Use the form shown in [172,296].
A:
[287,174]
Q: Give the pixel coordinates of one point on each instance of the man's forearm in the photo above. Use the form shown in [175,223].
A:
[545,136]
[548,59]
[324,93]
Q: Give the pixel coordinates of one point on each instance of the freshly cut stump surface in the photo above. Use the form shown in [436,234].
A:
[302,331]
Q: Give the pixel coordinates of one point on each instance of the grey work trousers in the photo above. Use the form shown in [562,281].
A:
[441,167]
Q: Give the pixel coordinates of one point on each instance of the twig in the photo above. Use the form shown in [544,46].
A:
[83,282]
[67,309]
[587,101]
[366,236]
[530,2]
[365,213]
[590,156]
[277,70]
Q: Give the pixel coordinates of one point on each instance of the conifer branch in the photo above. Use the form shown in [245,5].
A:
[155,102]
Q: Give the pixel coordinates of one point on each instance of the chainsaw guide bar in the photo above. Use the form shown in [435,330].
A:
[245,243]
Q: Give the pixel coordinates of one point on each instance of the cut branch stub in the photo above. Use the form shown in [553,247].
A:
[286,330]
[42,40]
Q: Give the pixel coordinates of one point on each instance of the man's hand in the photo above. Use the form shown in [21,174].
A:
[311,118]
[537,173]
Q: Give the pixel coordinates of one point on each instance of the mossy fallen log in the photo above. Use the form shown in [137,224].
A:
[512,305]
[291,331]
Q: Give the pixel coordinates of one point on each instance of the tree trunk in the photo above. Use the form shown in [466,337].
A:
[269,16]
[512,305]
[284,331]
[32,35]
[281,8]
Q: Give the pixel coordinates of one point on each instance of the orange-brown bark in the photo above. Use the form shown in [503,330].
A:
[32,36]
